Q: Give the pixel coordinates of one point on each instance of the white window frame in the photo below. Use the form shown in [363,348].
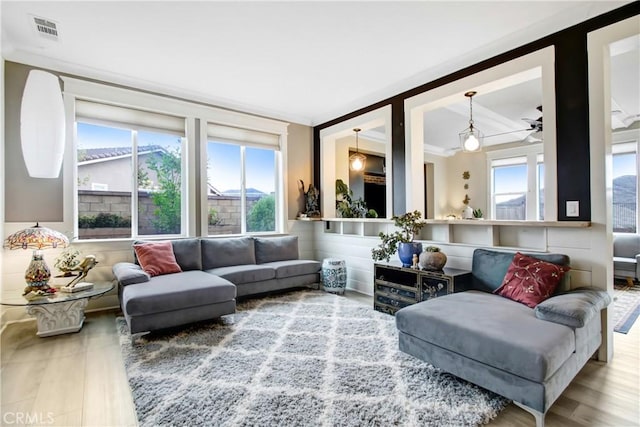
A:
[628,141]
[532,153]
[194,153]
[135,232]
[250,123]
[243,187]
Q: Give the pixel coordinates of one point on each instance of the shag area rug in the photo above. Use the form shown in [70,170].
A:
[626,306]
[306,358]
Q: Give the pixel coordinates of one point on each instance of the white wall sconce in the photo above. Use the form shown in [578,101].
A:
[42,125]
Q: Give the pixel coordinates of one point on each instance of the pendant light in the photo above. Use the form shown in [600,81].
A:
[471,138]
[357,160]
[42,125]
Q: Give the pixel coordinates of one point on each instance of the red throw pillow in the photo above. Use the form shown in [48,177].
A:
[530,280]
[157,258]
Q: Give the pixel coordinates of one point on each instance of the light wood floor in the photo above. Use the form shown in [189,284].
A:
[79,380]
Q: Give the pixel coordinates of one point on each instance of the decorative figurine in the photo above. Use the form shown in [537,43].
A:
[311,200]
[83,269]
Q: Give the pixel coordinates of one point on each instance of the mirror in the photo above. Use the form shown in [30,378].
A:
[625,132]
[369,184]
[509,177]
[369,190]
[508,112]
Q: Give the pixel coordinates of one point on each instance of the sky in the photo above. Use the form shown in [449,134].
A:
[94,136]
[511,179]
[223,162]
[223,159]
[624,164]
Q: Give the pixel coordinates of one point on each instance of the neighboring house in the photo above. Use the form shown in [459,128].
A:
[109,169]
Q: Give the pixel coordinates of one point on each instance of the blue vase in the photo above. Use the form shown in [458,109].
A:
[406,251]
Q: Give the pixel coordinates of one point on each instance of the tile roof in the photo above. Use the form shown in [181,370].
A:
[105,153]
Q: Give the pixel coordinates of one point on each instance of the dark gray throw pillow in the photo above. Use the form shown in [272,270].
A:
[574,308]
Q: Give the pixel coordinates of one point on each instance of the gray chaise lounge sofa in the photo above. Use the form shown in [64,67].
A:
[502,345]
[214,273]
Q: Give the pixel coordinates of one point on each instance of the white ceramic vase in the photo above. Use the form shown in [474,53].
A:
[467,212]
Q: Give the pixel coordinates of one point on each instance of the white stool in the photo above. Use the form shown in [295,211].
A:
[334,275]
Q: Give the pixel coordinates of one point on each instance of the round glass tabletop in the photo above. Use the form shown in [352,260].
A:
[98,289]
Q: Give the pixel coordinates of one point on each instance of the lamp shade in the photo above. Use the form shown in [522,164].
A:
[36,237]
[42,125]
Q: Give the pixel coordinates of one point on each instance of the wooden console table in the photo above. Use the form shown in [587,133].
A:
[396,287]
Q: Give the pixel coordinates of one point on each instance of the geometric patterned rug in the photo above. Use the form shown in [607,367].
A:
[626,305]
[305,358]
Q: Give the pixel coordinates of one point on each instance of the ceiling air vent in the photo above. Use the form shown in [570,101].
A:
[46,28]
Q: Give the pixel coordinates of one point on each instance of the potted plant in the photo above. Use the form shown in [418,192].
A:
[347,207]
[401,240]
[432,258]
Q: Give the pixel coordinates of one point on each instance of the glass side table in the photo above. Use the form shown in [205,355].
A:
[60,313]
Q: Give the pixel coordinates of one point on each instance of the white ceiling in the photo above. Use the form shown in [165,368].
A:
[305,62]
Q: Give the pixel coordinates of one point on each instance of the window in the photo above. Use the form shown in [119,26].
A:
[625,196]
[129,172]
[517,184]
[242,178]
[509,190]
[147,165]
[540,182]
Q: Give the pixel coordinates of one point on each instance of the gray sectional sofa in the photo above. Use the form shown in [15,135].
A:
[525,354]
[214,273]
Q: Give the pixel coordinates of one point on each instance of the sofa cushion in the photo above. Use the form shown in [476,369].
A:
[128,273]
[157,258]
[488,268]
[574,308]
[276,249]
[492,330]
[187,252]
[626,245]
[296,267]
[625,264]
[239,274]
[175,292]
[530,280]
[227,251]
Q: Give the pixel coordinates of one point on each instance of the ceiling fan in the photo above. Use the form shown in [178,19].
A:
[535,126]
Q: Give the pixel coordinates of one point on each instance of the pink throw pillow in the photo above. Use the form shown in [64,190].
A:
[530,280]
[157,258]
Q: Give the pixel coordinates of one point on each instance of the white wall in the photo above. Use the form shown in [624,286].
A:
[476,165]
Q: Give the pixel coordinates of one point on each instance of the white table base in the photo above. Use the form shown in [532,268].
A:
[58,318]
